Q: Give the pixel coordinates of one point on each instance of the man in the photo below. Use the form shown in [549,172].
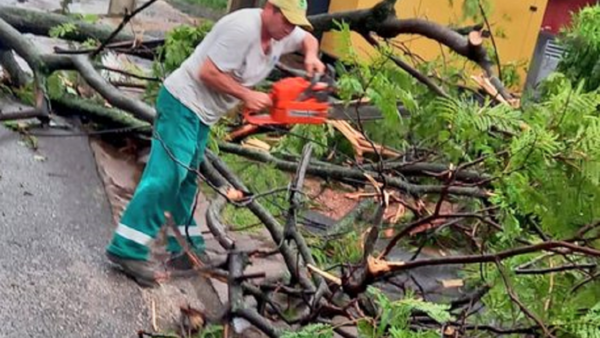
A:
[239,52]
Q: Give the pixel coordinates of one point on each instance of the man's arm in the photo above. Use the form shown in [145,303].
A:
[214,78]
[312,63]
[220,81]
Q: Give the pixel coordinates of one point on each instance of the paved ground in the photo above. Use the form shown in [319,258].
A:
[54,225]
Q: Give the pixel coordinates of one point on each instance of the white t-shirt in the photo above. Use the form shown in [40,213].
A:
[234,46]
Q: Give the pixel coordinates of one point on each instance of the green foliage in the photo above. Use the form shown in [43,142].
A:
[581,60]
[62,30]
[311,331]
[510,73]
[180,43]
[215,4]
[300,134]
[211,331]
[471,10]
[544,156]
[588,326]
[393,317]
[257,177]
[343,250]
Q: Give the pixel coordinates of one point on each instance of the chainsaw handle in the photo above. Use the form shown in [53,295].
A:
[246,112]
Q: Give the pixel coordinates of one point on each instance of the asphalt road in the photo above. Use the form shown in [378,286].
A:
[54,226]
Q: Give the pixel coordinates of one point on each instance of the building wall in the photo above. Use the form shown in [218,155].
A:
[519,21]
[559,13]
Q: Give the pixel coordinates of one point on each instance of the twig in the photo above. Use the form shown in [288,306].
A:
[584,282]
[516,300]
[126,19]
[489,27]
[338,172]
[488,258]
[410,70]
[554,269]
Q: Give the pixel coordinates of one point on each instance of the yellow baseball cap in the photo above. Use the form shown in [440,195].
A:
[294,11]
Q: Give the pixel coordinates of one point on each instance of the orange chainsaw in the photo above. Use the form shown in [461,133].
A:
[297,100]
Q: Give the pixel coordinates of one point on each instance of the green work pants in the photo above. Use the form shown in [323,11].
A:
[165,185]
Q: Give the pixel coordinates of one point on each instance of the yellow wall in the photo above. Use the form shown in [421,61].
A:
[518,23]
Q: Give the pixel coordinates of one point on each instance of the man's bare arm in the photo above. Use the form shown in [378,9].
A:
[310,47]
[224,83]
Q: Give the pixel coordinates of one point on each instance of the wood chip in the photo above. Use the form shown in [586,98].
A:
[452,283]
[154,324]
[449,331]
[359,195]
[254,143]
[377,266]
[399,213]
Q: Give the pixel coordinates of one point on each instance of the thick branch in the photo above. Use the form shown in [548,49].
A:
[124,22]
[139,109]
[270,222]
[338,172]
[12,39]
[490,258]
[410,169]
[40,23]
[410,70]
[17,76]
[213,220]
[382,20]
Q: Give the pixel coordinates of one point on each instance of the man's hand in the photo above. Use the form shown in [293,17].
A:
[234,194]
[257,101]
[313,65]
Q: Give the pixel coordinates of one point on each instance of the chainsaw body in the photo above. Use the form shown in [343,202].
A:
[296,100]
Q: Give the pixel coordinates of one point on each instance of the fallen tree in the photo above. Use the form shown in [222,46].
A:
[378,22]
[508,232]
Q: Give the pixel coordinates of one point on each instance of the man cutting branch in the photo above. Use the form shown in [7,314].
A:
[239,52]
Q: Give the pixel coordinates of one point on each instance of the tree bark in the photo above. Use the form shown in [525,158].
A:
[337,172]
[40,23]
[17,76]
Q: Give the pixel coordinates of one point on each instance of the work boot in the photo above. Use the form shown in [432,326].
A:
[141,271]
[182,262]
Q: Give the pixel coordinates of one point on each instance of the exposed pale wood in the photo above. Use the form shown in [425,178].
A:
[326,275]
[475,38]
[359,143]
